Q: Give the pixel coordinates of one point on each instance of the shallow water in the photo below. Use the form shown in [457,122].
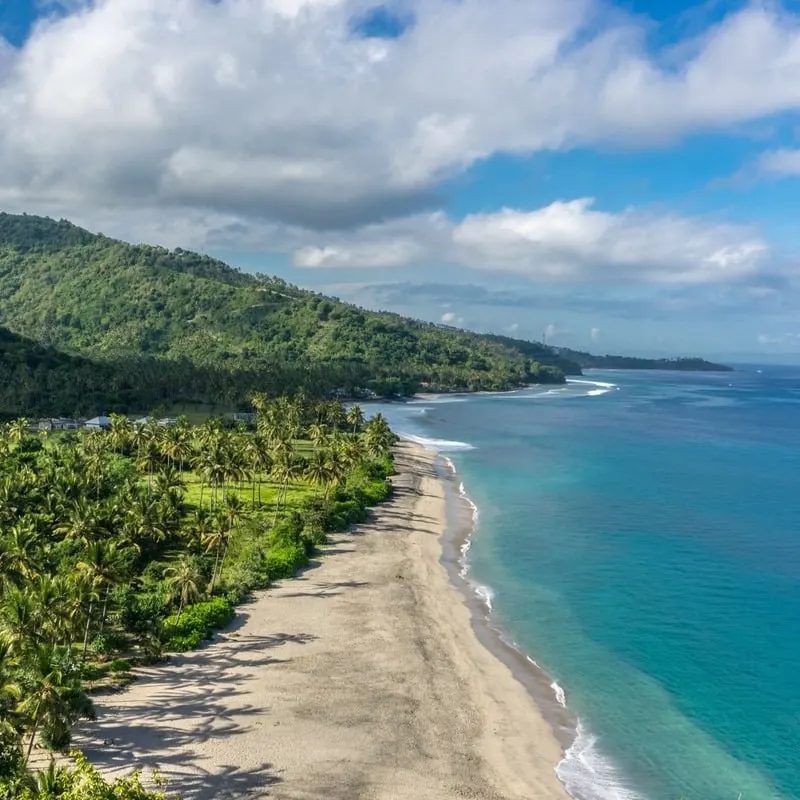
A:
[639,536]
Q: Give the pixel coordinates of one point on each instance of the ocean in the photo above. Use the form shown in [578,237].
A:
[638,535]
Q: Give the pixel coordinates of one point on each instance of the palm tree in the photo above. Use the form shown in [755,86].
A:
[378,436]
[20,555]
[50,593]
[231,513]
[255,450]
[149,459]
[120,433]
[215,539]
[53,699]
[84,523]
[178,444]
[355,418]
[317,468]
[318,434]
[20,621]
[286,468]
[183,582]
[103,565]
[18,430]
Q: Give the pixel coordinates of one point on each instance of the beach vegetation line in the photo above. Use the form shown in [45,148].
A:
[120,546]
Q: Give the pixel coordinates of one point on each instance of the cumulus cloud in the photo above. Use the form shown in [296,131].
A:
[448,317]
[780,163]
[243,115]
[595,334]
[564,241]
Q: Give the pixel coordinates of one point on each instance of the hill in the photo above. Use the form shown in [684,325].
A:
[589,361]
[38,380]
[91,296]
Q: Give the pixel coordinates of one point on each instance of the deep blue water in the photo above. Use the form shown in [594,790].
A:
[643,545]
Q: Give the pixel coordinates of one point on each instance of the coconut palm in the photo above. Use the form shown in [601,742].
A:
[286,468]
[18,430]
[104,564]
[120,432]
[355,418]
[182,581]
[316,470]
[318,434]
[20,552]
[20,621]
[85,523]
[215,540]
[52,696]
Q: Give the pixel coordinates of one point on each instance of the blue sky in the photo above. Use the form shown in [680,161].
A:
[616,176]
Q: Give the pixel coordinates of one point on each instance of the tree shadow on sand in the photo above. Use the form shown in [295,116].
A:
[178,707]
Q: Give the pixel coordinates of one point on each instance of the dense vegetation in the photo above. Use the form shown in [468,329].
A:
[38,380]
[89,295]
[589,361]
[118,546]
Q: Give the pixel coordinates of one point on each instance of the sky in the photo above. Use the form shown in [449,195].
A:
[613,176]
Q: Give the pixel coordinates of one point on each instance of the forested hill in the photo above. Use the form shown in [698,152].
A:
[104,300]
[589,361]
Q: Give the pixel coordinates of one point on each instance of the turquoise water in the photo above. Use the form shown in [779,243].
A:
[641,539]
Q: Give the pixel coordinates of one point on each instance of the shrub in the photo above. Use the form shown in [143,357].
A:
[79,782]
[105,643]
[197,622]
[283,561]
[142,612]
[287,532]
[119,665]
[92,672]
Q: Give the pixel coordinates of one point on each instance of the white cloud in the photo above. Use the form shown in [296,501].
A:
[257,112]
[564,241]
[780,163]
[513,327]
[567,240]
[595,334]
[448,318]
[778,339]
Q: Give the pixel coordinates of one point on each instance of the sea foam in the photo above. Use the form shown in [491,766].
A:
[436,445]
[600,386]
[585,772]
[588,775]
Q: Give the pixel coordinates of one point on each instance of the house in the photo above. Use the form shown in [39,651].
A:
[101,423]
[164,422]
[58,424]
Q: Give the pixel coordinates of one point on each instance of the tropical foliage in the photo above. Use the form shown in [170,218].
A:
[217,334]
[118,546]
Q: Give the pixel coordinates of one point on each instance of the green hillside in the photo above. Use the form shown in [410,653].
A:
[589,361]
[92,296]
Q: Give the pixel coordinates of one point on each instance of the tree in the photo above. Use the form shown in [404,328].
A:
[52,697]
[355,418]
[285,468]
[183,582]
[103,565]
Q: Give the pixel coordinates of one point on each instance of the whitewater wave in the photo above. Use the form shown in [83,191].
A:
[601,387]
[558,691]
[436,445]
[587,773]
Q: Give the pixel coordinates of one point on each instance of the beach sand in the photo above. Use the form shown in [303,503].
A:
[362,678]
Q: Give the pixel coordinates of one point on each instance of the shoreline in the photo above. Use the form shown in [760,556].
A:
[364,678]
[456,541]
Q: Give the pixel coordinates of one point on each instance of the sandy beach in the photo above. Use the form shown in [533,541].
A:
[361,679]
